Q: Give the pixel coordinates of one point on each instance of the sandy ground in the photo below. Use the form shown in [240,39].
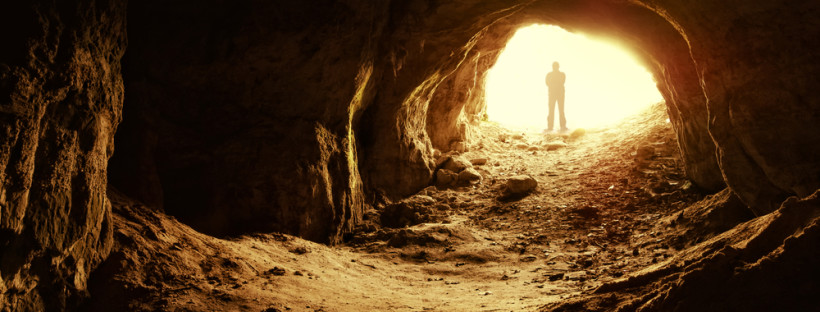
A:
[593,218]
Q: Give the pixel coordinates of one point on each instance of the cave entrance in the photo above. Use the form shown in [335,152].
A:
[604,82]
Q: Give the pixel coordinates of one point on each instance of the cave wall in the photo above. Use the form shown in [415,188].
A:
[61,97]
[244,113]
[286,116]
[419,59]
[756,61]
[458,104]
[270,100]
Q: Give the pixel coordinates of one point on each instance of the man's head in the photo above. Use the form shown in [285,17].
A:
[555,66]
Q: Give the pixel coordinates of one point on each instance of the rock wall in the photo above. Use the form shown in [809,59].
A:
[419,59]
[269,100]
[60,102]
[288,116]
[756,63]
[241,117]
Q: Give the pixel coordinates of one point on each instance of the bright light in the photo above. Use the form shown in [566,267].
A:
[604,83]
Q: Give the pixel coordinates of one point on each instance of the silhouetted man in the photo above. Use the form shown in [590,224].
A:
[555,84]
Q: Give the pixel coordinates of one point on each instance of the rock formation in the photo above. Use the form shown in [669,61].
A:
[61,93]
[293,117]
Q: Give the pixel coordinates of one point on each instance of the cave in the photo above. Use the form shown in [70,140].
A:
[272,156]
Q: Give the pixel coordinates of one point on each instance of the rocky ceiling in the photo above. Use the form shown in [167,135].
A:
[293,116]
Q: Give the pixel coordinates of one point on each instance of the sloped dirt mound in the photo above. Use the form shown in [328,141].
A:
[766,264]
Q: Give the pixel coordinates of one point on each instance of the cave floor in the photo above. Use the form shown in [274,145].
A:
[599,213]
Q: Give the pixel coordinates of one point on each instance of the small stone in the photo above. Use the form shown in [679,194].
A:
[519,185]
[556,276]
[429,191]
[644,152]
[577,133]
[460,147]
[533,148]
[518,136]
[469,176]
[445,178]
[478,161]
[529,258]
[457,163]
[522,146]
[277,271]
[577,276]
[422,199]
[300,250]
[554,145]
[440,160]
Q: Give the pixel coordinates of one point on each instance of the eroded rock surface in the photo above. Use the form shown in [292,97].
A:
[262,116]
[60,102]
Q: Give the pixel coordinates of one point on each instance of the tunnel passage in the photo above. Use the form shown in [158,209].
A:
[220,141]
[206,82]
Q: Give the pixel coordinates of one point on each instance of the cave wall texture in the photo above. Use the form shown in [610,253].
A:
[61,95]
[244,116]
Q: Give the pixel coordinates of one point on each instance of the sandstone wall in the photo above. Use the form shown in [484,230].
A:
[60,102]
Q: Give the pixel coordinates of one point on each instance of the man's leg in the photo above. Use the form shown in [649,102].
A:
[550,117]
[561,117]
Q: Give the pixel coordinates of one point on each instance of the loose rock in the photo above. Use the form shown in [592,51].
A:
[554,145]
[469,176]
[577,133]
[478,161]
[457,163]
[411,211]
[460,147]
[445,178]
[519,185]
[644,152]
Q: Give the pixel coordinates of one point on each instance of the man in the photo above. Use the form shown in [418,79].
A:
[555,84]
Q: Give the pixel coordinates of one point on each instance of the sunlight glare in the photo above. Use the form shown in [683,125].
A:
[604,83]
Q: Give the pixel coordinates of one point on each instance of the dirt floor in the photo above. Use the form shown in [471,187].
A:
[603,209]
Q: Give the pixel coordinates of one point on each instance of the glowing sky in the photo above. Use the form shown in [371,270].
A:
[604,83]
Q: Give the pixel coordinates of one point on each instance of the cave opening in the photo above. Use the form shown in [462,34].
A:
[566,228]
[605,83]
[290,120]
